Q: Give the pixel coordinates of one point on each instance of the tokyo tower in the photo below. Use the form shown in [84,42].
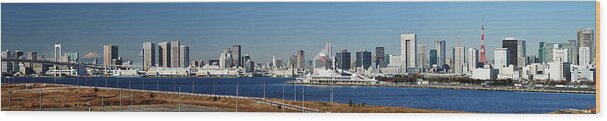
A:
[483,59]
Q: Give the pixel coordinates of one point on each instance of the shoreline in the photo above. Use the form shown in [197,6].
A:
[429,86]
[459,87]
[61,97]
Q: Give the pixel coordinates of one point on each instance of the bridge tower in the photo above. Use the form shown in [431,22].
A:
[57,52]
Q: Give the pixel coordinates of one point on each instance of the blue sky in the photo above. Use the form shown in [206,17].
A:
[280,29]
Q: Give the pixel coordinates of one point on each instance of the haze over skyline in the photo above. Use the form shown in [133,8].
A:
[280,29]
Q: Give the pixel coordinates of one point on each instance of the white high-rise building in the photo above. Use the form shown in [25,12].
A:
[500,56]
[175,52]
[559,54]
[472,58]
[184,55]
[149,54]
[408,50]
[459,58]
[584,56]
[421,55]
[558,70]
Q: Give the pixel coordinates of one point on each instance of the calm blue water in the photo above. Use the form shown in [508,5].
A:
[463,100]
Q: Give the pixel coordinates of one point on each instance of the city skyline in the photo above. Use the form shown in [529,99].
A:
[263,33]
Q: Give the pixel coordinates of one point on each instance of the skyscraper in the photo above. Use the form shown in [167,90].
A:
[521,53]
[512,45]
[7,67]
[408,50]
[540,53]
[473,59]
[149,54]
[500,57]
[441,54]
[225,59]
[546,51]
[276,62]
[236,55]
[584,57]
[301,58]
[560,54]
[433,57]
[72,57]
[164,54]
[110,52]
[363,59]
[585,38]
[249,66]
[184,55]
[379,57]
[459,58]
[32,55]
[246,57]
[422,58]
[175,47]
[342,59]
[573,52]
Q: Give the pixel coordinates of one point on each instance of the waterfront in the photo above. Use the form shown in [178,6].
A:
[423,98]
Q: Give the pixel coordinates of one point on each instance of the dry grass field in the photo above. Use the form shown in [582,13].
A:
[66,98]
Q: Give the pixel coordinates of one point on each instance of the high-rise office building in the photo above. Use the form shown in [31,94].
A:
[237,56]
[441,52]
[380,57]
[249,66]
[422,57]
[175,50]
[408,50]
[110,52]
[301,58]
[433,57]
[584,57]
[540,53]
[573,52]
[7,67]
[276,62]
[164,54]
[246,57]
[500,57]
[512,45]
[149,54]
[532,59]
[363,59]
[184,55]
[546,51]
[559,54]
[342,59]
[32,55]
[72,57]
[459,58]
[585,38]
[473,58]
[521,53]
[225,59]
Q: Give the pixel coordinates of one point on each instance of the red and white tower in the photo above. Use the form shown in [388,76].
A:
[483,59]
